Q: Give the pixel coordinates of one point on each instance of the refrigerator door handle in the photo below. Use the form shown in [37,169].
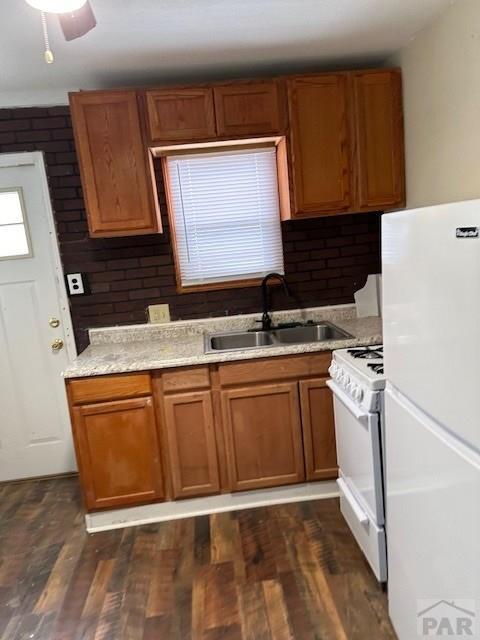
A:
[361,415]
[350,498]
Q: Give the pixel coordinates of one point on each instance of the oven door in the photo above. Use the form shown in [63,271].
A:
[359,453]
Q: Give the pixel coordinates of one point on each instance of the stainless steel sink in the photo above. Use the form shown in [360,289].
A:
[241,340]
[310,333]
[321,332]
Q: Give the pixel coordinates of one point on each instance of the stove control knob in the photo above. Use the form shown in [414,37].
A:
[346,381]
[332,369]
[351,388]
[359,394]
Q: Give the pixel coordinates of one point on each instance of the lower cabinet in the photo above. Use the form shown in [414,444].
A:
[318,430]
[191,443]
[200,431]
[263,436]
[118,453]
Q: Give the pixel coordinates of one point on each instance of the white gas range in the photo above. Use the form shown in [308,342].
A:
[357,382]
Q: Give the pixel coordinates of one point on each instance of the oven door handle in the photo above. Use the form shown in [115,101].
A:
[354,409]
[350,498]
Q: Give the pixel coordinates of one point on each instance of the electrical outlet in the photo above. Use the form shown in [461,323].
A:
[75,284]
[158,313]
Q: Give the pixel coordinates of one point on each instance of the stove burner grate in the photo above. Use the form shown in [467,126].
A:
[367,353]
[376,368]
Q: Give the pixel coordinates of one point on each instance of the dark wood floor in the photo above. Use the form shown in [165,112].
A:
[281,572]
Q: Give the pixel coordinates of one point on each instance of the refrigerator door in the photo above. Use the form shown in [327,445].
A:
[433,524]
[431,311]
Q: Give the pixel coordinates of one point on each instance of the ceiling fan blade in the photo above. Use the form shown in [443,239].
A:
[77,23]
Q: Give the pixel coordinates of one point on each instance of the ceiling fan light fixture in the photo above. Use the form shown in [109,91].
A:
[56,6]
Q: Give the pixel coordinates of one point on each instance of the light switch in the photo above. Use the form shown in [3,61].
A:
[158,313]
[75,284]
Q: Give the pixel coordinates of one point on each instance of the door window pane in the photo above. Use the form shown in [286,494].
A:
[13,233]
[10,207]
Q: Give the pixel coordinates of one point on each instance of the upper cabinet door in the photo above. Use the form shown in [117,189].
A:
[320,143]
[181,114]
[248,109]
[114,164]
[380,161]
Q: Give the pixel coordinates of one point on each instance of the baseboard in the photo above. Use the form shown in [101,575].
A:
[53,476]
[164,511]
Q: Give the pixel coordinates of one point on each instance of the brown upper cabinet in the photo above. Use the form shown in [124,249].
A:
[346,142]
[185,114]
[343,142]
[379,158]
[320,143]
[115,164]
[245,109]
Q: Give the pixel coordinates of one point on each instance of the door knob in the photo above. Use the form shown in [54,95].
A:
[54,322]
[57,344]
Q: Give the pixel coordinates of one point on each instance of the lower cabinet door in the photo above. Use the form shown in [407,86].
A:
[118,453]
[263,436]
[318,429]
[191,442]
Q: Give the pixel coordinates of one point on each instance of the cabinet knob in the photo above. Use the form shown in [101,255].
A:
[57,344]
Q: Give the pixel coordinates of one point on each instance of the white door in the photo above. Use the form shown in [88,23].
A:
[433,522]
[35,435]
[431,311]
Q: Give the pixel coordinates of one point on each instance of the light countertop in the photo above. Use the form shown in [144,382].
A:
[178,344]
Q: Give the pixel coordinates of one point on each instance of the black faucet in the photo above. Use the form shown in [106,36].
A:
[266,318]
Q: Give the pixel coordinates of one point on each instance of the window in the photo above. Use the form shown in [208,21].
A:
[225,213]
[14,241]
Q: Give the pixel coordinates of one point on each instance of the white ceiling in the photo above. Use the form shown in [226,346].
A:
[152,41]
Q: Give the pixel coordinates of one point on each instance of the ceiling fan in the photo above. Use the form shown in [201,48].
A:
[76,18]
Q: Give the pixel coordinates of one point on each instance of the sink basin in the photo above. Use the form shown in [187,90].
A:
[241,340]
[321,332]
[310,333]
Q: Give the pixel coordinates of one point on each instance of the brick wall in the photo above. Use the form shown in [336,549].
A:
[326,259]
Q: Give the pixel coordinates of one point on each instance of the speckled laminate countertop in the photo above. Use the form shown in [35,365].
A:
[178,344]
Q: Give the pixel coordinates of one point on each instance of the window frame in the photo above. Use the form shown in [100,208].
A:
[24,222]
[283,192]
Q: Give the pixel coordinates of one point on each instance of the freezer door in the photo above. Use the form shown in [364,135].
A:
[431,311]
[432,522]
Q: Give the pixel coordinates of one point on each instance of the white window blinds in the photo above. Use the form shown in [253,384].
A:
[226,215]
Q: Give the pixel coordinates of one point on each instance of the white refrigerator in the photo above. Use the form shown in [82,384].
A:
[431,315]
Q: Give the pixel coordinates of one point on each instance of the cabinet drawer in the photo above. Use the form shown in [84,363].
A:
[102,388]
[183,379]
[277,368]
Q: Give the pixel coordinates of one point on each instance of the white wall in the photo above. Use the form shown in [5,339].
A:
[441,70]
